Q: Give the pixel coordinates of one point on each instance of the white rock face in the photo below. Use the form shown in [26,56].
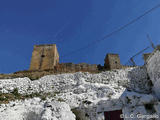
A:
[131,103]
[89,94]
[35,109]
[132,78]
[153,69]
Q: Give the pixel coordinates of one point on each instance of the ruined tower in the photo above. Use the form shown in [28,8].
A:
[44,57]
[146,56]
[112,61]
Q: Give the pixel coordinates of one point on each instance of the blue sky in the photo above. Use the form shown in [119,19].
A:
[72,24]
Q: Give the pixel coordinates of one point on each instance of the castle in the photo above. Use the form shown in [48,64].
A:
[45,57]
[45,61]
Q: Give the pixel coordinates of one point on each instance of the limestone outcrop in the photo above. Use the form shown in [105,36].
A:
[87,96]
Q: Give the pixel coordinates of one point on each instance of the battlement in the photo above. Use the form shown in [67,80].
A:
[44,45]
[71,67]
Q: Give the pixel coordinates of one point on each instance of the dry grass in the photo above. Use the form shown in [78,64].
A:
[6,97]
[34,75]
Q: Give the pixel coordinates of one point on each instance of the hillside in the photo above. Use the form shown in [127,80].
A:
[84,96]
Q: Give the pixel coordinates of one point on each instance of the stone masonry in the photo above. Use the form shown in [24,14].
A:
[146,56]
[112,61]
[44,57]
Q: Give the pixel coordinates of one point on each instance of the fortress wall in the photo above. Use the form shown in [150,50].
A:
[70,67]
[58,69]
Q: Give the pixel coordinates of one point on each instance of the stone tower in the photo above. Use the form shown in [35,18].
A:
[44,57]
[146,56]
[112,61]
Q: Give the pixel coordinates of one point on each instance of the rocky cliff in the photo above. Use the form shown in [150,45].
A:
[85,96]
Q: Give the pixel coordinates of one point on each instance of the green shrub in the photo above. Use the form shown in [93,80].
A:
[61,100]
[15,93]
